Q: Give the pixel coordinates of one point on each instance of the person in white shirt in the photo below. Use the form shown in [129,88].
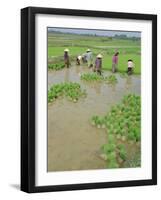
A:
[89,58]
[130,66]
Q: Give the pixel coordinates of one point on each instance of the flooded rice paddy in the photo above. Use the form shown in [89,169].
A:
[73,143]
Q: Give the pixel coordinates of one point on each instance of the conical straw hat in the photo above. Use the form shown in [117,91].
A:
[66,50]
[99,56]
[88,50]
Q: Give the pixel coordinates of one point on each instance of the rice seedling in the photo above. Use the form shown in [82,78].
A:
[122,151]
[70,90]
[113,164]
[111,79]
[91,77]
[98,121]
[109,147]
[56,66]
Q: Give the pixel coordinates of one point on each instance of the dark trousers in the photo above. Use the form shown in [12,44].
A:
[77,61]
[97,70]
[129,70]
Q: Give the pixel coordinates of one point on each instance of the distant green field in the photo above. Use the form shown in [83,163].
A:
[77,44]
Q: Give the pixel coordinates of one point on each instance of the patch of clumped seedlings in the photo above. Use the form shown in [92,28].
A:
[56,66]
[91,77]
[111,79]
[123,125]
[72,91]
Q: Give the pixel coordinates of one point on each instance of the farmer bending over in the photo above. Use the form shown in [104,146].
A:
[130,66]
[78,60]
[115,62]
[98,64]
[89,58]
[66,58]
[84,59]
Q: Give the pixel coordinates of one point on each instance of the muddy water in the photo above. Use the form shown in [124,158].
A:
[74,144]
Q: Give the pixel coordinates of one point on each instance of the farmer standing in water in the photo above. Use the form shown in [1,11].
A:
[89,58]
[98,64]
[115,62]
[130,66]
[66,58]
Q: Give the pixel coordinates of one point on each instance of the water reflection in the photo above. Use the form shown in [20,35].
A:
[78,69]
[66,74]
[97,87]
[128,82]
[113,88]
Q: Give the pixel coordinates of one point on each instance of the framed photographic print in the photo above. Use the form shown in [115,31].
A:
[88,99]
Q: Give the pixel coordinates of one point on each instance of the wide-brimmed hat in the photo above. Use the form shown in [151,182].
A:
[88,50]
[66,50]
[99,56]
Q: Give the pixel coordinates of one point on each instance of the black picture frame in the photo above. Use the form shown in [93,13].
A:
[28,99]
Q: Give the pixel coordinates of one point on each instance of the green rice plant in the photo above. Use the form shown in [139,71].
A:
[94,119]
[98,121]
[56,66]
[111,156]
[70,90]
[111,79]
[113,164]
[111,139]
[110,151]
[108,148]
[91,77]
[122,151]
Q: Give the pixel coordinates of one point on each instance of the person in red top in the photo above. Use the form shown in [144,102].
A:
[115,62]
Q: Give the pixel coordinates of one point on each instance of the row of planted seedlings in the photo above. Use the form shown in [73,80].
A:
[123,124]
[71,90]
[111,79]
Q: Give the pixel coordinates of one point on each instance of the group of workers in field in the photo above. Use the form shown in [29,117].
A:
[97,65]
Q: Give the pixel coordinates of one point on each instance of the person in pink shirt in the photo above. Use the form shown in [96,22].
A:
[115,62]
